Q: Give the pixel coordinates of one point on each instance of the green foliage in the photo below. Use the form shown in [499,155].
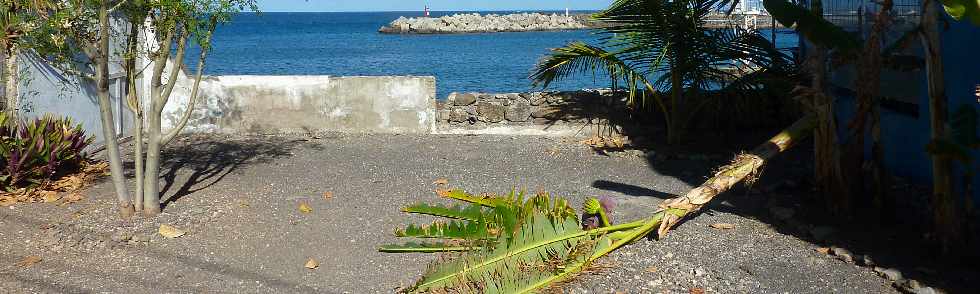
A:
[36,151]
[511,244]
[656,47]
[964,140]
[960,9]
[811,26]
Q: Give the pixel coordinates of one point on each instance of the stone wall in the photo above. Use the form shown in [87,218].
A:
[540,113]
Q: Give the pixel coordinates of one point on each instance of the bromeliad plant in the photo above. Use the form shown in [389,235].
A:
[36,151]
[510,244]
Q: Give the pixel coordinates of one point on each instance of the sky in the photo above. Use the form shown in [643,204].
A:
[435,5]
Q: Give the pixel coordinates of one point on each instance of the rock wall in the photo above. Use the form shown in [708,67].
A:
[476,23]
[534,113]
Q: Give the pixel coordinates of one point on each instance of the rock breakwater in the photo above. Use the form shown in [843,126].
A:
[490,23]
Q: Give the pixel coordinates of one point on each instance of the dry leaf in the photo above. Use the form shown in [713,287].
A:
[305,208]
[652,269]
[29,261]
[74,197]
[171,232]
[49,196]
[696,291]
[722,226]
[312,264]
[7,201]
[441,182]
[327,195]
[442,192]
[823,250]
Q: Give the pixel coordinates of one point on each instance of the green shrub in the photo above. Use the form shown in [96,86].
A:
[32,152]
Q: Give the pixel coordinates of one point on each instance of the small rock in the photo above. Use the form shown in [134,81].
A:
[121,236]
[464,99]
[822,233]
[140,238]
[889,273]
[781,213]
[655,283]
[698,272]
[843,254]
[867,261]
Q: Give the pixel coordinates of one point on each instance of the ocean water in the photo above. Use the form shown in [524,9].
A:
[348,44]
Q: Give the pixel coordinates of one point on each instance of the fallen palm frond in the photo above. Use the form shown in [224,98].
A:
[515,245]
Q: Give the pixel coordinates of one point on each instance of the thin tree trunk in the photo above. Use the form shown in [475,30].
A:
[159,97]
[11,81]
[945,217]
[101,60]
[135,104]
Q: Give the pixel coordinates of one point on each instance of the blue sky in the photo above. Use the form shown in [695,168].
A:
[417,5]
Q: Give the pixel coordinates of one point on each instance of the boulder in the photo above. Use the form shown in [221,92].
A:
[458,115]
[537,98]
[519,111]
[491,112]
[464,99]
[550,112]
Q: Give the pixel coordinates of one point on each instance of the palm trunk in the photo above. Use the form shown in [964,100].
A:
[101,60]
[674,128]
[11,80]
[744,168]
[945,217]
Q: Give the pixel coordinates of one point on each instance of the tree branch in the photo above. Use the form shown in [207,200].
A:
[192,100]
[176,66]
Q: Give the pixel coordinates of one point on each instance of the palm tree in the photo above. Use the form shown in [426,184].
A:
[660,46]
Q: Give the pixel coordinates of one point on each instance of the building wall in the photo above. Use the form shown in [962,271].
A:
[904,135]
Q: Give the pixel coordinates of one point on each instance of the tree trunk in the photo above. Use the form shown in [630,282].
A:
[136,105]
[101,60]
[945,217]
[828,175]
[744,167]
[674,128]
[11,80]
[868,118]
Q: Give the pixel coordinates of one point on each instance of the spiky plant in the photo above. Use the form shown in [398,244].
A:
[510,244]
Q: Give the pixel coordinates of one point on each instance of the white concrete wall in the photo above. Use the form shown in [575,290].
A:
[298,104]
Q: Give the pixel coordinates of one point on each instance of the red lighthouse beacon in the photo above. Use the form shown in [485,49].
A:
[427,11]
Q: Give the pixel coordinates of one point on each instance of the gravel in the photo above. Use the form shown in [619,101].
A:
[237,198]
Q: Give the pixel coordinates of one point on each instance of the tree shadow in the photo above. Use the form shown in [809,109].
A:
[210,161]
[785,182]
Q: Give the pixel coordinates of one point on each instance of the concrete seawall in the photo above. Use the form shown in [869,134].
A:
[297,104]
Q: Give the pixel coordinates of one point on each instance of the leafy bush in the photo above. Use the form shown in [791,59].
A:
[39,150]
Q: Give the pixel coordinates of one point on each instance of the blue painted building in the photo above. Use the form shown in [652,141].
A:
[905,104]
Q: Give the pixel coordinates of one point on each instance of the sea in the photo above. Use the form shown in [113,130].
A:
[348,44]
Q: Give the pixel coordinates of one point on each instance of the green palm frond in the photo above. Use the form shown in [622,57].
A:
[469,230]
[470,213]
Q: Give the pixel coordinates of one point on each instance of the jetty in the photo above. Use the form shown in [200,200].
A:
[489,23]
[529,22]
